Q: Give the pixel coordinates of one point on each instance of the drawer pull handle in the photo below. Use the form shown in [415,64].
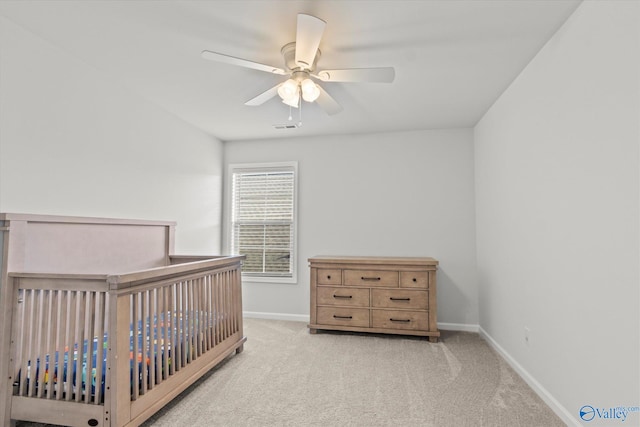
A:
[415,280]
[342,317]
[400,320]
[343,296]
[399,299]
[370,278]
[328,277]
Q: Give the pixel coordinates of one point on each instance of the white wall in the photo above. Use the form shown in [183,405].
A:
[557,199]
[397,194]
[73,142]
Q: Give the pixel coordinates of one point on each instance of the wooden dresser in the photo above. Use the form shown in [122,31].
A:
[391,295]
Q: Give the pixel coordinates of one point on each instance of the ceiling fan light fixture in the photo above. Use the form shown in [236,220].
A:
[293,100]
[288,89]
[310,91]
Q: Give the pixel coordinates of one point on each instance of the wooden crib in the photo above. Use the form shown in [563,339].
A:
[101,325]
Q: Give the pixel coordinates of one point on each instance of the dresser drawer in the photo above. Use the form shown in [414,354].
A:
[353,297]
[414,279]
[400,298]
[371,278]
[329,277]
[343,316]
[400,319]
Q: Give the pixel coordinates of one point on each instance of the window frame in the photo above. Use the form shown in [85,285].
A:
[264,167]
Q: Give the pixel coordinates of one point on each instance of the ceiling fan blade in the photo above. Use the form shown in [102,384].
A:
[264,96]
[371,75]
[308,36]
[227,59]
[327,103]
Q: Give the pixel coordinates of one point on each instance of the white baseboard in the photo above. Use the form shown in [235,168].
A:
[464,327]
[544,394]
[276,316]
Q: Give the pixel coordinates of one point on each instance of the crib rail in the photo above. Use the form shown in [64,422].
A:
[122,343]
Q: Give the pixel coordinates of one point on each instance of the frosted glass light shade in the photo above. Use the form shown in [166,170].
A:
[310,91]
[288,89]
[292,101]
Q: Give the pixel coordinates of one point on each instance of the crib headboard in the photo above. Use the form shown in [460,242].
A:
[63,244]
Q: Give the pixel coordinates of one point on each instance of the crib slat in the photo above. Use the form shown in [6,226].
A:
[227,302]
[208,309]
[38,362]
[135,318]
[25,342]
[198,316]
[153,331]
[232,303]
[217,306]
[202,338]
[32,345]
[143,348]
[166,325]
[227,327]
[223,307]
[185,325]
[79,340]
[177,341]
[177,360]
[193,324]
[89,334]
[49,328]
[159,338]
[100,326]
[172,336]
[68,368]
[55,382]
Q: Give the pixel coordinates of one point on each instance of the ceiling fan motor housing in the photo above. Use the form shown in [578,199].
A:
[288,52]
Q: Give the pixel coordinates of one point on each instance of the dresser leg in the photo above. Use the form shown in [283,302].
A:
[433,339]
[313,331]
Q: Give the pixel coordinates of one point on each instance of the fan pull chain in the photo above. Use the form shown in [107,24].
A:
[290,116]
[300,112]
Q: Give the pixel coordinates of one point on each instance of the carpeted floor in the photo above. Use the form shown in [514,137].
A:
[288,377]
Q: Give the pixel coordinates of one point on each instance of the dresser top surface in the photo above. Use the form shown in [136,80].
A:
[333,259]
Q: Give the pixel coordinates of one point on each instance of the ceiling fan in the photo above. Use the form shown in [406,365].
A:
[300,59]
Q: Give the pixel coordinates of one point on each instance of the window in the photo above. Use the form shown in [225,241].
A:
[263,220]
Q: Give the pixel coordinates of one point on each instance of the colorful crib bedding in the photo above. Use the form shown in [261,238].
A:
[64,365]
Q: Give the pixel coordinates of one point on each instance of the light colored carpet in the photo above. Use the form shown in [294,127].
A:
[288,377]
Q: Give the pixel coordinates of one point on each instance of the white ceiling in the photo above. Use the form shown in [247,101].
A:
[453,59]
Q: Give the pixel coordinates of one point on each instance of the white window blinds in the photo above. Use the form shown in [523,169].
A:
[263,220]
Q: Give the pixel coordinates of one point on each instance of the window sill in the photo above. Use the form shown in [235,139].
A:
[285,280]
